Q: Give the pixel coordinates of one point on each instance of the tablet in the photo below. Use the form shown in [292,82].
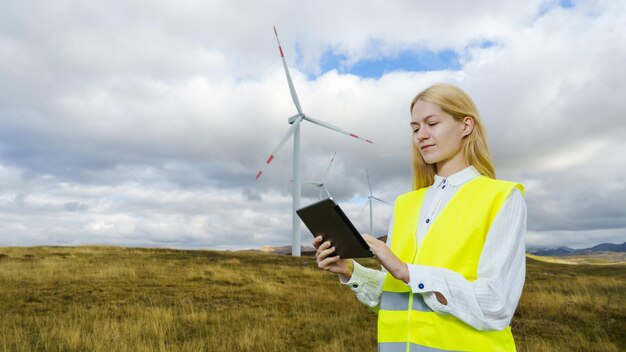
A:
[325,218]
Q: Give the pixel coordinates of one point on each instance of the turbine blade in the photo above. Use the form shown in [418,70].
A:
[280,145]
[329,165]
[380,200]
[368,182]
[326,190]
[292,89]
[327,125]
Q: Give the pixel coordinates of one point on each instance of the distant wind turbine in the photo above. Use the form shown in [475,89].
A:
[295,130]
[320,185]
[370,199]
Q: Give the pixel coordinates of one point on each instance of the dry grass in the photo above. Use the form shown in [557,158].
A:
[572,308]
[125,299]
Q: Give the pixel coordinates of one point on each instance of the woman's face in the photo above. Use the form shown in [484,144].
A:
[437,135]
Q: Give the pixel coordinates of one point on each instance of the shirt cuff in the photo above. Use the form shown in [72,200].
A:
[420,278]
[357,279]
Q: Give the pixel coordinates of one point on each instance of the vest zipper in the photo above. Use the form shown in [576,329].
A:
[410,307]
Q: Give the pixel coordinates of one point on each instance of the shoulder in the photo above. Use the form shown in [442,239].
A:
[505,186]
[408,196]
[409,199]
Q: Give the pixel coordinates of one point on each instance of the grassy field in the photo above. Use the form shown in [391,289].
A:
[126,299]
[606,258]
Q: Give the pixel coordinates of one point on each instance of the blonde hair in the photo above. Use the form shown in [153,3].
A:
[455,102]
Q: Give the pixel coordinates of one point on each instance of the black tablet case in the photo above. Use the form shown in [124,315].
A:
[326,218]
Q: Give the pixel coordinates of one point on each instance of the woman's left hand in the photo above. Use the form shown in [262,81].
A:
[390,261]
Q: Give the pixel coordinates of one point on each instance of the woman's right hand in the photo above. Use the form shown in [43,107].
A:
[333,264]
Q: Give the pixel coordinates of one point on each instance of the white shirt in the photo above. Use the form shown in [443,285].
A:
[487,303]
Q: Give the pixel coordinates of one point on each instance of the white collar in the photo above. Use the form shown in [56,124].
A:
[457,178]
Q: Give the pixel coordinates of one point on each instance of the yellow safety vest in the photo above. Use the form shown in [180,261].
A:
[454,241]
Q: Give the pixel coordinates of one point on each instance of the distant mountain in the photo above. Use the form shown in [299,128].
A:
[565,251]
[609,247]
[547,252]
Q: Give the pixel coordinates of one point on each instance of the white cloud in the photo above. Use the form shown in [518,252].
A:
[144,123]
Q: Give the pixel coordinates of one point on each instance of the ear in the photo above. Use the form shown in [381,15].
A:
[468,125]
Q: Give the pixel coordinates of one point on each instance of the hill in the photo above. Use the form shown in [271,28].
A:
[140,299]
[566,251]
[600,254]
[600,258]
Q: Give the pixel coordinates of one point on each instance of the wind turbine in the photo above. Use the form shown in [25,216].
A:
[295,130]
[371,198]
[320,185]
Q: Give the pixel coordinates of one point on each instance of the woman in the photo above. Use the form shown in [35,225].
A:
[454,261]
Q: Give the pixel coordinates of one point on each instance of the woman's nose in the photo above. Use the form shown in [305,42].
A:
[421,134]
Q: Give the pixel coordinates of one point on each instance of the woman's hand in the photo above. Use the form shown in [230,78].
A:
[333,264]
[390,261]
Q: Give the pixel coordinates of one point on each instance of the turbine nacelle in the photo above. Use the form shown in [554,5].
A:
[292,119]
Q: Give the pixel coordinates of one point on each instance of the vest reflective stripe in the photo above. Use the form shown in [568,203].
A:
[454,241]
[401,347]
[419,304]
[400,301]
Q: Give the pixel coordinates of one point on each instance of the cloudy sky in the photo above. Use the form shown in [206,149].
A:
[144,123]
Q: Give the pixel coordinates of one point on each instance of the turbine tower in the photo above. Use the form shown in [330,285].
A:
[320,185]
[371,198]
[295,130]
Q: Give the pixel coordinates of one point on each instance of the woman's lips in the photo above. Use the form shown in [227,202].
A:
[427,146]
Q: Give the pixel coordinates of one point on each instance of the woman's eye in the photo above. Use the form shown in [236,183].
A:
[416,130]
[432,124]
